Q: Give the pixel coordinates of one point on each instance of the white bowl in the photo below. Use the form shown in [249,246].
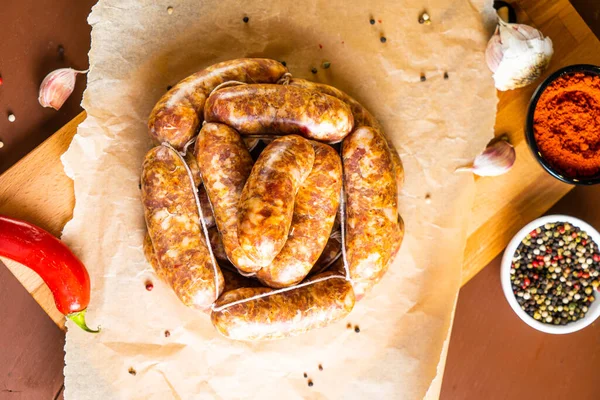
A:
[594,308]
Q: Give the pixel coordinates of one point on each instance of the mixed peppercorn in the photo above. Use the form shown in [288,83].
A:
[554,273]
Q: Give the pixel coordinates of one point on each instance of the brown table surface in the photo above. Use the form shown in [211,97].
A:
[492,354]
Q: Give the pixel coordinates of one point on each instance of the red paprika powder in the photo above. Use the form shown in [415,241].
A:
[567,124]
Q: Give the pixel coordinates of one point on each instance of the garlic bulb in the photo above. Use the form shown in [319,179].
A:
[57,86]
[517,54]
[497,159]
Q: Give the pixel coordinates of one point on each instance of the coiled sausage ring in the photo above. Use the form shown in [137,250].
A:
[284,244]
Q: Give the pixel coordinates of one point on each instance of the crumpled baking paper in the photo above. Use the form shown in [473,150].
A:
[138,49]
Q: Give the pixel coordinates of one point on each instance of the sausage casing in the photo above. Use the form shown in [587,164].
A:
[362,117]
[267,203]
[177,115]
[308,306]
[373,233]
[175,230]
[225,163]
[264,109]
[315,207]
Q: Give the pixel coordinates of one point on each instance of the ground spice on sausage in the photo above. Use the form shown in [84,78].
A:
[567,124]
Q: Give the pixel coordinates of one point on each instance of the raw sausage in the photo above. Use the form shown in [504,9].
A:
[326,298]
[177,115]
[175,230]
[315,207]
[207,212]
[267,202]
[362,117]
[373,233]
[280,110]
[225,163]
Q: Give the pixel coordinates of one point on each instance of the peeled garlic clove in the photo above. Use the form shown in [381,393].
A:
[517,54]
[496,159]
[57,86]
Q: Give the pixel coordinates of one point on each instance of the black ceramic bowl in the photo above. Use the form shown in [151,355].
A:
[529,136]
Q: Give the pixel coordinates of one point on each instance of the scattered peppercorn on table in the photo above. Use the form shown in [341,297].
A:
[502,206]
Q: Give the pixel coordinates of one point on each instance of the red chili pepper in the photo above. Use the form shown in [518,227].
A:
[64,274]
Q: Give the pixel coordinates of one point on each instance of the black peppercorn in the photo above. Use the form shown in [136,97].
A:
[246,19]
[305,375]
[356,329]
[423,78]
[445,75]
[313,70]
[310,383]
[383,39]
[283,63]
[372,21]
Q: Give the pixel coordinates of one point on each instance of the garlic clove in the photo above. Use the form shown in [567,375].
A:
[494,52]
[497,159]
[57,86]
[517,54]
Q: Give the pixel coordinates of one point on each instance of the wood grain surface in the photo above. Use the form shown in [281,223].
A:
[493,355]
[36,188]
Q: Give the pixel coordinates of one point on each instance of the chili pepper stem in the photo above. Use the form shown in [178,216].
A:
[79,319]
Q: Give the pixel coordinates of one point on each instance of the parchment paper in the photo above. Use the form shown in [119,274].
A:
[138,49]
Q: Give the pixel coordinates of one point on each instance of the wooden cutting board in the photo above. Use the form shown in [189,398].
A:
[36,188]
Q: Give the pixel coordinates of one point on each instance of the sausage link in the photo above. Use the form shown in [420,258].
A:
[373,233]
[177,115]
[225,163]
[315,207]
[209,218]
[267,202]
[280,110]
[174,227]
[285,314]
[362,117]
